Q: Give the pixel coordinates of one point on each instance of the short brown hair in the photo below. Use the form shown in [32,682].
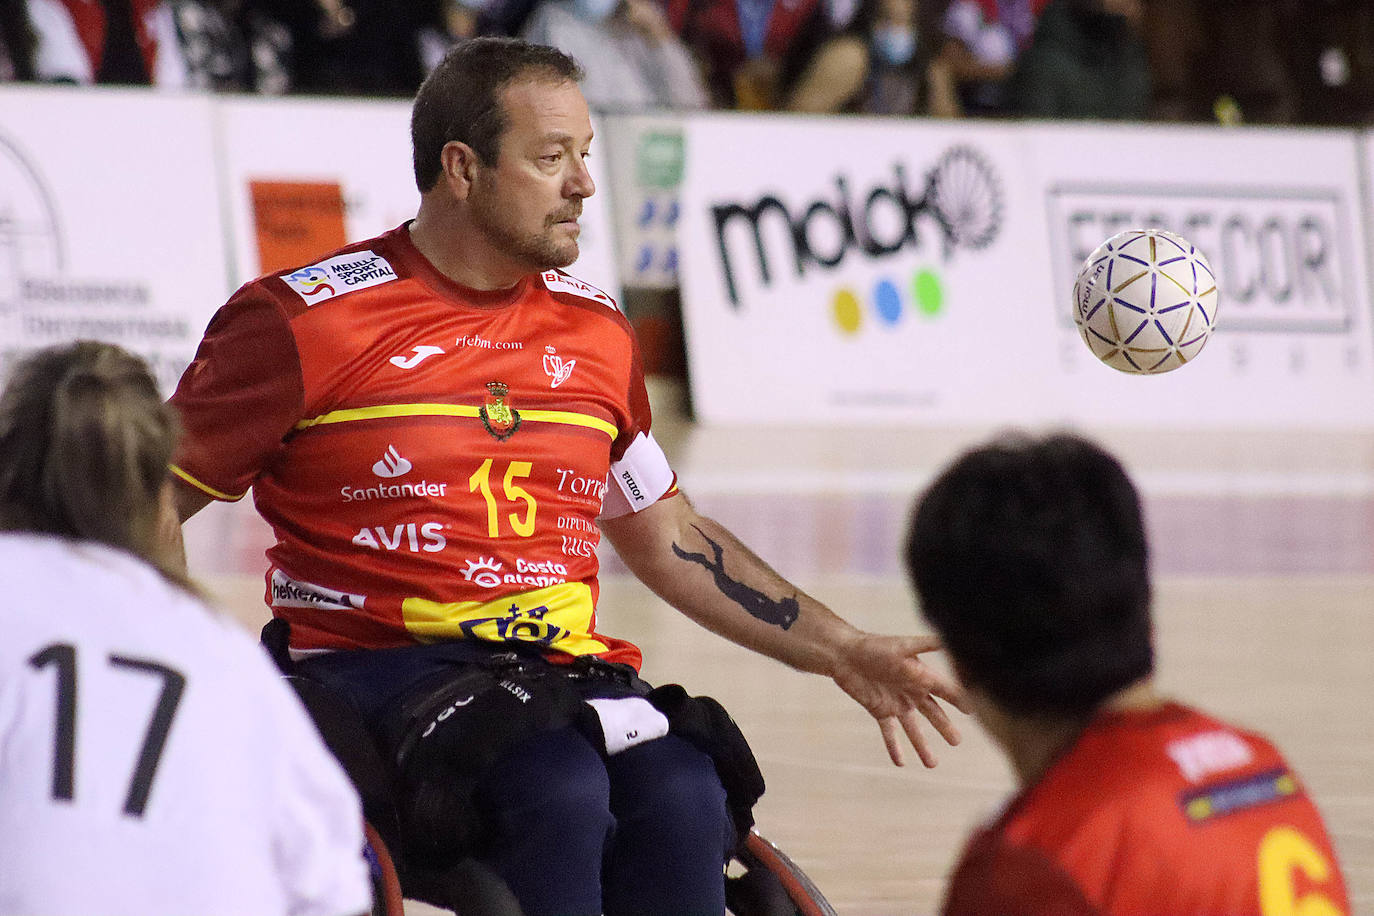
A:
[461,98]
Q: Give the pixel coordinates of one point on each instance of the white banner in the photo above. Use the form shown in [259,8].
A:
[1278,215]
[306,176]
[879,271]
[109,222]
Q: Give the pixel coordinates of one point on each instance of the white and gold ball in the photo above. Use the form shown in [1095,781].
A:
[1145,301]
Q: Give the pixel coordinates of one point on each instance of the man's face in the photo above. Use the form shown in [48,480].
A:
[529,200]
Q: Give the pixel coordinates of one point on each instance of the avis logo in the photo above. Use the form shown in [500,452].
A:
[556,368]
[483,571]
[392,464]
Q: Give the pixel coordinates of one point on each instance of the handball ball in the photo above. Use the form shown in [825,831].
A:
[1145,301]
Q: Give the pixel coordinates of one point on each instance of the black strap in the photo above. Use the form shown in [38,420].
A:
[276,639]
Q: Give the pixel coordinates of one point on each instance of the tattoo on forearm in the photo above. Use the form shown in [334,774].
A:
[782,613]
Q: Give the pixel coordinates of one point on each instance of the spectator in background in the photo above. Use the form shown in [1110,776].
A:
[879,64]
[504,17]
[743,44]
[982,40]
[17,41]
[632,58]
[1219,60]
[133,43]
[171,44]
[354,47]
[1330,45]
[1087,60]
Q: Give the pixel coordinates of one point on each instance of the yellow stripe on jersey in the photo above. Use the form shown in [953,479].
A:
[205,488]
[570,419]
[555,617]
[350,415]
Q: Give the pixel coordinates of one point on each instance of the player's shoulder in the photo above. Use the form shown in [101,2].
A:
[571,290]
[104,594]
[355,267]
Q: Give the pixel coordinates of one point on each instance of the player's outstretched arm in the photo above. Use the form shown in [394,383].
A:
[700,568]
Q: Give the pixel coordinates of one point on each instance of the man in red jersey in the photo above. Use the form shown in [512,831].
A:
[440,424]
[1030,561]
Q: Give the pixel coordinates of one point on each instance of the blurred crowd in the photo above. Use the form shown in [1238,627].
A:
[1233,61]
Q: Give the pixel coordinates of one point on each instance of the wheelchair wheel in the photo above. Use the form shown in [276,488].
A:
[772,885]
[386,886]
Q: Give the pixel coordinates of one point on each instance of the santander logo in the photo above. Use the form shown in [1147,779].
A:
[392,464]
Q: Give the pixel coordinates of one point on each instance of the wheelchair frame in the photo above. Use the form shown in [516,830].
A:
[783,890]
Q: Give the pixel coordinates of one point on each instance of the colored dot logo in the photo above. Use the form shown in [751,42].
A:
[884,303]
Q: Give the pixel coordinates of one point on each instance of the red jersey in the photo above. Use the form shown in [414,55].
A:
[1166,811]
[432,459]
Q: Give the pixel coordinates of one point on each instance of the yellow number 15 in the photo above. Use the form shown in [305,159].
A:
[1283,852]
[480,481]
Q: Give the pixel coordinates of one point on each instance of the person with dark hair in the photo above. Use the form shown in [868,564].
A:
[979,45]
[440,424]
[1029,559]
[152,759]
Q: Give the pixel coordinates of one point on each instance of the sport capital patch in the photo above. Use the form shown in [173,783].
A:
[339,275]
[558,282]
[500,419]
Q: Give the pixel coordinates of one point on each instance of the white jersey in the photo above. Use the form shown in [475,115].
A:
[152,760]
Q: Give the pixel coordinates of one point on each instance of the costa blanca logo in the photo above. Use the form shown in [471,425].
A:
[484,571]
[489,572]
[959,206]
[556,368]
[392,464]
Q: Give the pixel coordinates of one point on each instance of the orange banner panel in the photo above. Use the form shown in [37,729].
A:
[296,221]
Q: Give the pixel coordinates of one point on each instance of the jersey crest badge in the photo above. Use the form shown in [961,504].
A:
[500,419]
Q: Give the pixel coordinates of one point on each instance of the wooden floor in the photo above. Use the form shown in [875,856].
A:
[1264,560]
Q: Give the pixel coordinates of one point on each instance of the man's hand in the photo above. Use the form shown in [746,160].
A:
[887,677]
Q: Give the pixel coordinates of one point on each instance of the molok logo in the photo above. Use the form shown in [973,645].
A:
[961,199]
